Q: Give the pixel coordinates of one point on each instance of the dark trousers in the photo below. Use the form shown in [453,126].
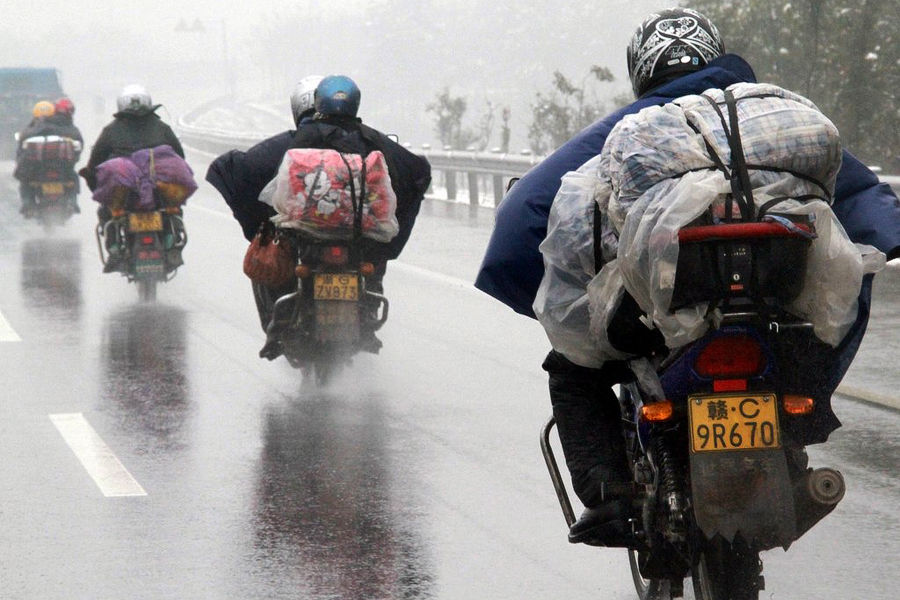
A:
[589,422]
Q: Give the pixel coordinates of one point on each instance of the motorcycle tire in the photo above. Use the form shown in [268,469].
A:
[726,571]
[648,589]
[147,290]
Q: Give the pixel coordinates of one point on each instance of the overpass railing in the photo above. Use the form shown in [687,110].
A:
[484,175]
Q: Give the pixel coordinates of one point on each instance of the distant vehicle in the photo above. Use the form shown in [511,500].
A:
[20,88]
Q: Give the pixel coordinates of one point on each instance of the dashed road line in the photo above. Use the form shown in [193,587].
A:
[102,465]
[7,333]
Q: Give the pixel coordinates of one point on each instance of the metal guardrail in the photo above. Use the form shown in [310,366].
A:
[485,173]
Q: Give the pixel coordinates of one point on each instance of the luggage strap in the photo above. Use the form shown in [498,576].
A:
[357,203]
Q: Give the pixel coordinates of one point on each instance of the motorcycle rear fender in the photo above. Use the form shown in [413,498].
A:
[746,492]
[147,269]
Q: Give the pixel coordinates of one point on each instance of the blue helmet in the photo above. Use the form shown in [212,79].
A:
[337,95]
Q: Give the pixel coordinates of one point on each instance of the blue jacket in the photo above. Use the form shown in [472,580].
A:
[513,267]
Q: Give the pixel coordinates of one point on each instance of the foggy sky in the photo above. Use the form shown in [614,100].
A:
[102,45]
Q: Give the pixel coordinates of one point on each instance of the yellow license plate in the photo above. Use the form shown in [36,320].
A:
[733,422]
[151,221]
[336,286]
[52,189]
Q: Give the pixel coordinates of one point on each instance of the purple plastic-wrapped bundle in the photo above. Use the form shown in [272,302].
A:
[131,181]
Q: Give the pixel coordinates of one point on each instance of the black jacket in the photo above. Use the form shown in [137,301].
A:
[128,133]
[241,176]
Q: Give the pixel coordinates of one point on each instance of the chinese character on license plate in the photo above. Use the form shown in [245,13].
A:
[733,422]
[336,286]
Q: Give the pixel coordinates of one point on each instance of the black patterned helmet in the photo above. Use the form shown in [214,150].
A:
[668,43]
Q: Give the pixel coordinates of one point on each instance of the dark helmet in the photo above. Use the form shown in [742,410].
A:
[337,95]
[669,43]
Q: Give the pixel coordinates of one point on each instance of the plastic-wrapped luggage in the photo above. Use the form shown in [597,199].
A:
[667,168]
[317,191]
[50,148]
[149,179]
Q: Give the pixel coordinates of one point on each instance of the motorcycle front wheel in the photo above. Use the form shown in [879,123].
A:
[727,572]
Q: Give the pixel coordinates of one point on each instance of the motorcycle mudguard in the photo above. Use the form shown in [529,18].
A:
[149,258]
[746,492]
[337,322]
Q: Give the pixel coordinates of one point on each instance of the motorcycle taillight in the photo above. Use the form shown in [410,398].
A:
[731,357]
[335,255]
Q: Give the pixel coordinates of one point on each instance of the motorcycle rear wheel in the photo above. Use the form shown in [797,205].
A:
[147,290]
[727,572]
[648,589]
[321,371]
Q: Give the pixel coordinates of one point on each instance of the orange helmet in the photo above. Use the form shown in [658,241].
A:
[43,109]
[64,106]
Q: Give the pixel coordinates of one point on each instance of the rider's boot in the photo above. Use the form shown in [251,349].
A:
[589,422]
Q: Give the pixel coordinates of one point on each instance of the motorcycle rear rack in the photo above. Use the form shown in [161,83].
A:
[550,460]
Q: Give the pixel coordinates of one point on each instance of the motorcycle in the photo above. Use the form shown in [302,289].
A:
[329,312]
[715,431]
[46,168]
[144,246]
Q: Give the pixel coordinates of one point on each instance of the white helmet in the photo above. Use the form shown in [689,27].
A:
[303,97]
[134,98]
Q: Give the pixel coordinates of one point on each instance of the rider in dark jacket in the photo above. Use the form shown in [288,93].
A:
[134,127]
[241,175]
[585,408]
[328,123]
[49,119]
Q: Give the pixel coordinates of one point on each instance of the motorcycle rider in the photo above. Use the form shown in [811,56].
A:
[43,123]
[135,126]
[241,175]
[664,63]
[332,122]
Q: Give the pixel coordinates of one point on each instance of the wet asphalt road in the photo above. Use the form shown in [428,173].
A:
[416,475]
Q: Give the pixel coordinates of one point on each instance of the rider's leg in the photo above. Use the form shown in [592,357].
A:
[589,423]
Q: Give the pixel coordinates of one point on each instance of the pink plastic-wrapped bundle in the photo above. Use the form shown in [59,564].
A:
[312,192]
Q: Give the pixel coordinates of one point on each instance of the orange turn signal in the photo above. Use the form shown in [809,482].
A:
[797,405]
[366,269]
[117,212]
[656,412]
[302,271]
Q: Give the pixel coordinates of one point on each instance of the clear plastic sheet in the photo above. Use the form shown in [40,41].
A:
[315,191]
[656,175]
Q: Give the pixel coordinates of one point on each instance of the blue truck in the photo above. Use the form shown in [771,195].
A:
[20,88]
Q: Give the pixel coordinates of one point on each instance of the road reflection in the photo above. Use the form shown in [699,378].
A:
[50,277]
[328,519]
[144,373]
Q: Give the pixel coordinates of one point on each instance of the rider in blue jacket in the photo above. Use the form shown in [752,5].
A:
[664,62]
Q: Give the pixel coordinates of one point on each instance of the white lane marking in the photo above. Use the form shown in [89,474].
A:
[7,333]
[108,473]
[433,275]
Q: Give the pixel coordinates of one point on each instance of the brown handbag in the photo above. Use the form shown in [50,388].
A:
[269,259]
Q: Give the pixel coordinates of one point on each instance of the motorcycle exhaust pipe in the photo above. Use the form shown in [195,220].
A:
[815,495]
